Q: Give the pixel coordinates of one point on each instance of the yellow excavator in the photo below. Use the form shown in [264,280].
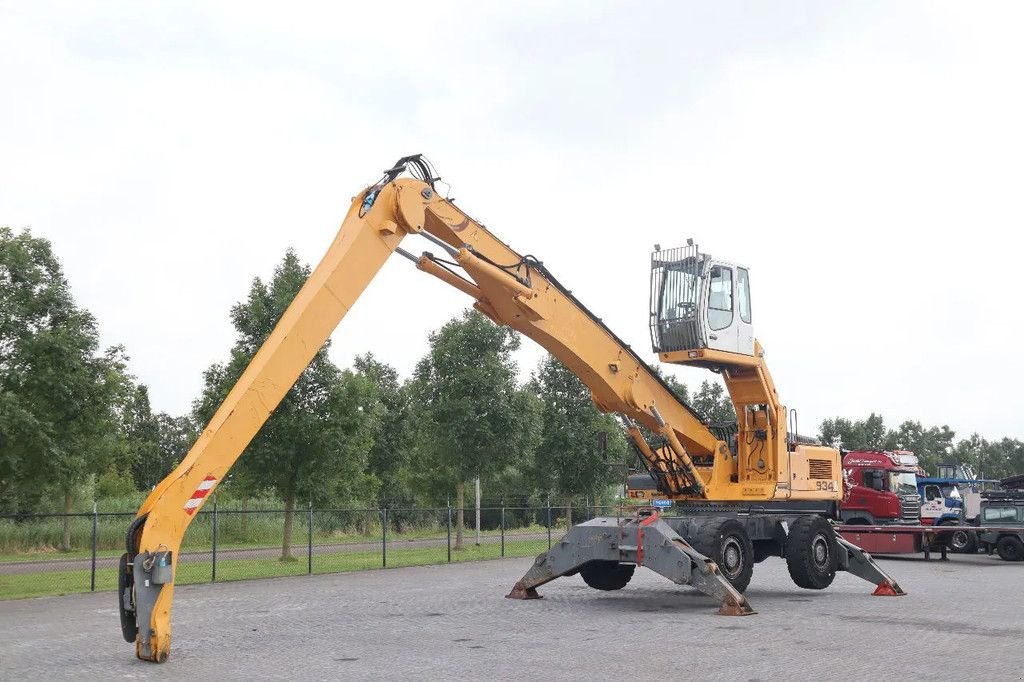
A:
[741,493]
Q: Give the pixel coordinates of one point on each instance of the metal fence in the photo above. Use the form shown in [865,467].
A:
[237,544]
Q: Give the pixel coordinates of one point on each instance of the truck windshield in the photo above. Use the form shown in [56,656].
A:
[903,483]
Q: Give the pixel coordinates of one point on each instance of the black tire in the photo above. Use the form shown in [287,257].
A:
[728,544]
[1010,548]
[944,539]
[812,553]
[963,541]
[764,549]
[606,575]
[129,627]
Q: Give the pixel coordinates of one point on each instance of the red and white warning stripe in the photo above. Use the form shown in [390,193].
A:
[200,494]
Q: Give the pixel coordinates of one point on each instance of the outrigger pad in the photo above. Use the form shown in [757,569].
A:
[887,590]
[644,540]
[855,560]
[520,592]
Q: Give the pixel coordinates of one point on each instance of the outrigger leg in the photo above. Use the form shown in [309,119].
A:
[643,540]
[855,560]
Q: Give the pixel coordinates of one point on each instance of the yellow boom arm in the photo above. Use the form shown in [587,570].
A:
[509,289]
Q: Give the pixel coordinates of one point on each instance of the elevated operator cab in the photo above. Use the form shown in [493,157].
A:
[697,303]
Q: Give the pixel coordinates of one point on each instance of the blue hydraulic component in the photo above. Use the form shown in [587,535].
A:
[368,200]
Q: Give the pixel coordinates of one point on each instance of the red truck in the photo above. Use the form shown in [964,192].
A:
[881,489]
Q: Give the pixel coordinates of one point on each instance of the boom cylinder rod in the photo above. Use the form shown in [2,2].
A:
[405,254]
[657,466]
[684,458]
[449,249]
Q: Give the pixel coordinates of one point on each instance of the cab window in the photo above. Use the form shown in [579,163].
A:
[932,493]
[874,479]
[678,295]
[720,298]
[1001,514]
[743,293]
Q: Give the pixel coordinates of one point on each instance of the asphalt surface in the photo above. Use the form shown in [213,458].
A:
[962,619]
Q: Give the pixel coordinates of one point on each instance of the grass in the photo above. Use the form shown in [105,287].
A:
[50,583]
[200,539]
[39,538]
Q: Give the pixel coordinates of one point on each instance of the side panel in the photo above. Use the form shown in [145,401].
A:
[885,543]
[972,504]
[815,472]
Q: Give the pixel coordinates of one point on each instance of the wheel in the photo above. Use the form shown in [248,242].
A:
[728,545]
[764,549]
[606,575]
[1010,548]
[944,539]
[124,584]
[964,542]
[812,553]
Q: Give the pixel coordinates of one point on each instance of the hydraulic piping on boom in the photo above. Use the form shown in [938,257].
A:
[697,317]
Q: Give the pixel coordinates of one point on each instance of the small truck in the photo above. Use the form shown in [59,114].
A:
[1002,524]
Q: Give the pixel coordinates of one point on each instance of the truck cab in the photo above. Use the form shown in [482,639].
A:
[969,487]
[942,502]
[880,488]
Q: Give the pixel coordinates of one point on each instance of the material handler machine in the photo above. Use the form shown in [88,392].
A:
[742,494]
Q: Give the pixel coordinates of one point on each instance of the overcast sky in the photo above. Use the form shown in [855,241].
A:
[864,159]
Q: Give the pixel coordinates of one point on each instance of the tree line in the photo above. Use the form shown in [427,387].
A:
[933,445]
[75,425]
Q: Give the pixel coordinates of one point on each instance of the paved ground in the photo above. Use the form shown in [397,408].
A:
[962,620]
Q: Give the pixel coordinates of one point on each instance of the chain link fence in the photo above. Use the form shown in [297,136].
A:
[232,544]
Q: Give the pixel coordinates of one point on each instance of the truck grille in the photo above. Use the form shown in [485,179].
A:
[910,508]
[820,468]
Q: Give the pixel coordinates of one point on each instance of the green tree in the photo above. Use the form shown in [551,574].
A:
[679,388]
[713,403]
[933,445]
[175,437]
[990,459]
[866,434]
[569,462]
[142,435]
[835,432]
[472,420]
[314,446]
[389,455]
[1008,459]
[59,393]
[976,453]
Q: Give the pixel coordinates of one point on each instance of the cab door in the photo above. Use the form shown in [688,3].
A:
[728,318]
[744,324]
[933,504]
[721,307]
